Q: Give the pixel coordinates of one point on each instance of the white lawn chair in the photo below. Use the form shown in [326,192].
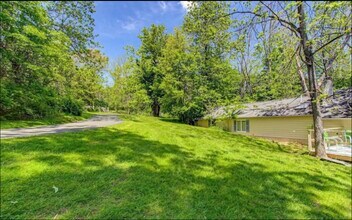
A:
[336,139]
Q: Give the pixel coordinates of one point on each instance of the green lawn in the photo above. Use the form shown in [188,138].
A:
[60,119]
[152,168]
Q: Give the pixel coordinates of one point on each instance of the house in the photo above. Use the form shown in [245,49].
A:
[287,120]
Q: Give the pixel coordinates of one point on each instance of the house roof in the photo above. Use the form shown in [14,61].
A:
[339,105]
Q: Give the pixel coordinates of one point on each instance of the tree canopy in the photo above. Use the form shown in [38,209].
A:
[41,72]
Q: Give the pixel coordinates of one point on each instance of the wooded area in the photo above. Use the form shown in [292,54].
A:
[225,53]
[48,61]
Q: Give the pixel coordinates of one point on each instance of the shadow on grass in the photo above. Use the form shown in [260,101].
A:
[171,120]
[111,173]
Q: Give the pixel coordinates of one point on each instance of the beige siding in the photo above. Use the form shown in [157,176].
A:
[280,127]
[336,123]
[285,128]
[203,123]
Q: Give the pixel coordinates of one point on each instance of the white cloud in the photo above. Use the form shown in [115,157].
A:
[163,5]
[186,5]
[129,25]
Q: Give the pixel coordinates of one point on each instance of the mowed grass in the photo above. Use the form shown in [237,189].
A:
[157,168]
[59,119]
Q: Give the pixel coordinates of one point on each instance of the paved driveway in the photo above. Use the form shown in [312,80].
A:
[94,122]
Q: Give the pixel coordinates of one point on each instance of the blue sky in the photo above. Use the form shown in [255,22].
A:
[118,24]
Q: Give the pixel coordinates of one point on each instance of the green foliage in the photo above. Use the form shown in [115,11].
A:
[48,57]
[278,77]
[39,69]
[127,93]
[75,20]
[208,28]
[152,42]
[180,79]
[87,82]
[270,70]
[72,106]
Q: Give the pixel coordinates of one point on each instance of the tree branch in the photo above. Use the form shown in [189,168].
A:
[284,23]
[300,55]
[327,43]
[293,55]
[278,18]
[331,60]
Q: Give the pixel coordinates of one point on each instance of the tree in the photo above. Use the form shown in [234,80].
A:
[87,82]
[180,79]
[74,18]
[153,41]
[340,71]
[127,93]
[32,56]
[312,37]
[41,75]
[262,57]
[209,31]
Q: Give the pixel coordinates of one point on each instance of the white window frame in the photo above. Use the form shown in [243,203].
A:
[241,122]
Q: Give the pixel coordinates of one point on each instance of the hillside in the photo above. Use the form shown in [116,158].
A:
[158,168]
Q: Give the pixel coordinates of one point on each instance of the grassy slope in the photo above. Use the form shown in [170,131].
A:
[6,124]
[150,168]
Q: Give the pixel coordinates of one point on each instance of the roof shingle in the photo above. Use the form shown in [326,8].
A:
[339,105]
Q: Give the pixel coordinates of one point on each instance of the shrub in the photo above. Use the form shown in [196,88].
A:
[72,106]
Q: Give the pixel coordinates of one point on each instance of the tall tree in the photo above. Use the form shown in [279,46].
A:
[181,83]
[278,77]
[262,57]
[87,82]
[153,41]
[209,31]
[127,92]
[32,56]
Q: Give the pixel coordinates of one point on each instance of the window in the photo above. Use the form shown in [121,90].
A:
[241,126]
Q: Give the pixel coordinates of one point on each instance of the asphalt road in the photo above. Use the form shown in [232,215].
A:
[94,122]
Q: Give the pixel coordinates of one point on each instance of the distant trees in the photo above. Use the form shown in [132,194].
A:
[87,82]
[41,72]
[127,93]
[188,72]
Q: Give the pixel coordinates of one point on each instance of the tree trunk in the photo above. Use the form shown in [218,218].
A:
[312,81]
[156,108]
[301,76]
[318,128]
[327,86]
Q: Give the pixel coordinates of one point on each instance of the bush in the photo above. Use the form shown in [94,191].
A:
[33,102]
[72,106]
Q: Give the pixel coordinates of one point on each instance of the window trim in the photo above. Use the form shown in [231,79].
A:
[240,122]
